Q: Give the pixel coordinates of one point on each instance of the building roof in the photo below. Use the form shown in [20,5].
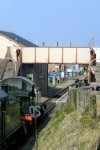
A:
[26,79]
[16,38]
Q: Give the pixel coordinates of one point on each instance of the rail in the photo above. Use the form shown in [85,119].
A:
[59,93]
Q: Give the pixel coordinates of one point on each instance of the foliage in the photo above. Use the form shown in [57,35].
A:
[70,130]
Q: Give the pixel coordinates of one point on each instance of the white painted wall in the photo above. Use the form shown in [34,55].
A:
[4,44]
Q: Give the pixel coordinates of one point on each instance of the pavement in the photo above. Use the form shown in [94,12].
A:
[60,86]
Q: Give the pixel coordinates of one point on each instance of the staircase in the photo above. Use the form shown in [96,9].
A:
[9,69]
[3,64]
[97,73]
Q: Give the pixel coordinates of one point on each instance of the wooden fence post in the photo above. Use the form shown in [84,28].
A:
[93,107]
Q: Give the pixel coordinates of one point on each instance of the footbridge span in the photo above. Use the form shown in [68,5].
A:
[48,55]
[32,61]
[59,55]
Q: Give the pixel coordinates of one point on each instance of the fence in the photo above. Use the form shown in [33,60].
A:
[80,99]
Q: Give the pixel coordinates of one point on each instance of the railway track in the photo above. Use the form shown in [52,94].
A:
[56,96]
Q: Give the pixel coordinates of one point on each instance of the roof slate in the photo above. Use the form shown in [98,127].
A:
[18,39]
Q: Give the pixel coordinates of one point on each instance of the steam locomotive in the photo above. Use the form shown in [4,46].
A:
[19,106]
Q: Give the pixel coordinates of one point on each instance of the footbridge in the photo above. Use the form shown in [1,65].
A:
[49,55]
[40,55]
[56,55]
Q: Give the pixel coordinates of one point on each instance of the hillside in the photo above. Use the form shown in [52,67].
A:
[70,130]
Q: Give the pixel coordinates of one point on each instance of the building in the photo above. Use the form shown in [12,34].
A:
[10,47]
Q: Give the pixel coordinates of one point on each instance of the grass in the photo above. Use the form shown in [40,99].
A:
[69,130]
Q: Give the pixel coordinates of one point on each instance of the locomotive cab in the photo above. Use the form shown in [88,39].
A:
[24,89]
[10,123]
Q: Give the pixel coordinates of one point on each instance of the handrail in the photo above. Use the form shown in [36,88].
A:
[91,65]
[92,62]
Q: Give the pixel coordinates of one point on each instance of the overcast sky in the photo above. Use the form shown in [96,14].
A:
[65,21]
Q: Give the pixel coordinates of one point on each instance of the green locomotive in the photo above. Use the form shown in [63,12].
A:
[10,123]
[19,96]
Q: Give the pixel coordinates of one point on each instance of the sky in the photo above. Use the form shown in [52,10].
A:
[75,22]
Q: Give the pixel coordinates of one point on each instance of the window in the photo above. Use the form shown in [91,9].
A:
[14,84]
